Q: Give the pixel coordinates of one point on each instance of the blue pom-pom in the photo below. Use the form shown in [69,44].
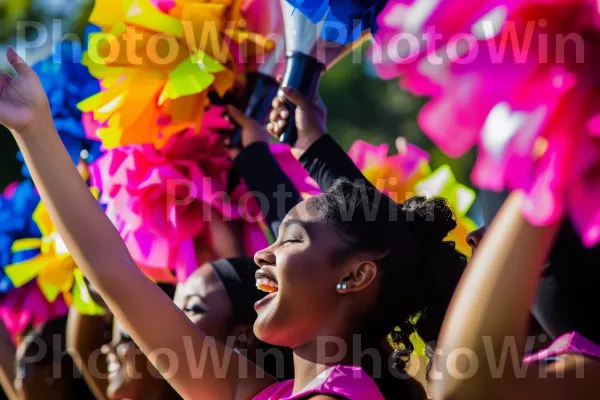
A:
[16,222]
[16,212]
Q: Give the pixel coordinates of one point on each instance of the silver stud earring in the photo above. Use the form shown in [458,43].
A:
[344,286]
[341,286]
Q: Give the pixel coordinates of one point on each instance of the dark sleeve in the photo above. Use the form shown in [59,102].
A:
[263,175]
[326,162]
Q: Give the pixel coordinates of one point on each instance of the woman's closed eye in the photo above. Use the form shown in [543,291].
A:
[194,308]
[291,232]
[291,241]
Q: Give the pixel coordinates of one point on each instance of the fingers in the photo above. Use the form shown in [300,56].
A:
[238,116]
[17,62]
[232,150]
[278,117]
[297,98]
[276,128]
[279,112]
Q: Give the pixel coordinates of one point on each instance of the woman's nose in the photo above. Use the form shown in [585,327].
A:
[475,237]
[264,257]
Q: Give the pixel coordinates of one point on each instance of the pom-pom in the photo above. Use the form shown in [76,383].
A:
[532,111]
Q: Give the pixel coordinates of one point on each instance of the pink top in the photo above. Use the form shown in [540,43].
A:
[350,383]
[569,343]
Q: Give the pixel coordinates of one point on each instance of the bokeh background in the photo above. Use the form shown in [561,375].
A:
[359,104]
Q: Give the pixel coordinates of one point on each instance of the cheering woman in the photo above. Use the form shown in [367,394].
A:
[336,279]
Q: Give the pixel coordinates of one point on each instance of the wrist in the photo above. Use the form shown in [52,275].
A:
[43,122]
[305,141]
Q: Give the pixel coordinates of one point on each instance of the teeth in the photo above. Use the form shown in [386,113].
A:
[266,285]
[112,367]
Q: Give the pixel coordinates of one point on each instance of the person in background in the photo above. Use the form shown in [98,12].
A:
[254,162]
[130,375]
[566,293]
[111,363]
[536,332]
[44,370]
[492,305]
[85,336]
[219,299]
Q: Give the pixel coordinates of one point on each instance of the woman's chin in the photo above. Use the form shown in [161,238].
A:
[265,329]
[261,330]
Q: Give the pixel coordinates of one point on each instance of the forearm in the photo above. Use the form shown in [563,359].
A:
[85,337]
[264,176]
[327,162]
[492,301]
[146,312]
[90,236]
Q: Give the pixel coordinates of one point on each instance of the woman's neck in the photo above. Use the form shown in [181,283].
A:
[315,357]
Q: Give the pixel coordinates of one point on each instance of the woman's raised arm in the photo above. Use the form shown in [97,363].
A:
[193,364]
[488,320]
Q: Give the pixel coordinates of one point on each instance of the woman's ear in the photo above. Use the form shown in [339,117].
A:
[358,277]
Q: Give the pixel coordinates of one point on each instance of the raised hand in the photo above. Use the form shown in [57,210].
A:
[252,131]
[22,97]
[311,119]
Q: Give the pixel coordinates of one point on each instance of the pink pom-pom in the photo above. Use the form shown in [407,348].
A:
[519,91]
[27,305]
[160,200]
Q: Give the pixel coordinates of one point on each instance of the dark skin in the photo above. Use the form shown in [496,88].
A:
[205,301]
[101,254]
[542,339]
[493,300]
[475,237]
[39,365]
[302,252]
[130,375]
[85,334]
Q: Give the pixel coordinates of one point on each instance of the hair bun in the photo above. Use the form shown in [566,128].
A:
[429,219]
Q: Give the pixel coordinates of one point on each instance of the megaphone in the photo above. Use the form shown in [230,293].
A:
[308,57]
[264,17]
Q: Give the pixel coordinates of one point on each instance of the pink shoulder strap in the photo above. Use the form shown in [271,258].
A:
[350,383]
[569,343]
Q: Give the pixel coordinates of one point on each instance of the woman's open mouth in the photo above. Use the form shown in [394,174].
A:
[265,282]
[113,367]
[263,302]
